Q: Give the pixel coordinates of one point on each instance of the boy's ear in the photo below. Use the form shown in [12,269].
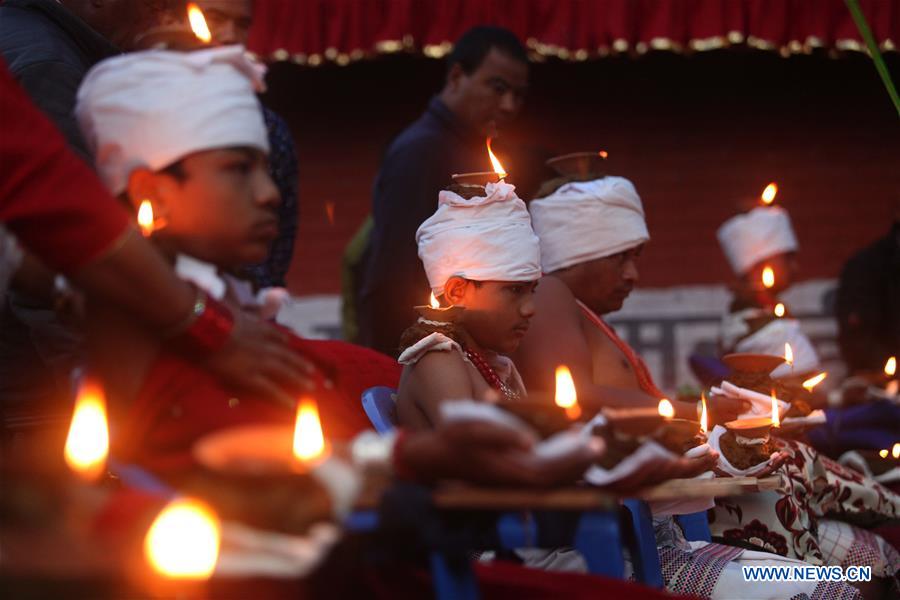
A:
[455,290]
[144,184]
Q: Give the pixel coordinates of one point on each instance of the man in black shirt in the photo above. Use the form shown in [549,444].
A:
[487,76]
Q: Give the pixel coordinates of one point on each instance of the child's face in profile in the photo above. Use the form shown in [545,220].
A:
[223,210]
[497,312]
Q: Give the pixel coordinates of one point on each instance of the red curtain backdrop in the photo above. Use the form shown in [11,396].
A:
[311,32]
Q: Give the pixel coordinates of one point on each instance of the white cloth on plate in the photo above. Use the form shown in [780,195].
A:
[150,109]
[752,237]
[760,404]
[485,238]
[586,220]
[717,432]
[246,551]
[647,452]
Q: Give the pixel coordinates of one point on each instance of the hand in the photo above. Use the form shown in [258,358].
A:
[724,408]
[257,359]
[492,454]
[662,469]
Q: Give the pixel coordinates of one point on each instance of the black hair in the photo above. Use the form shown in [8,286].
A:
[472,46]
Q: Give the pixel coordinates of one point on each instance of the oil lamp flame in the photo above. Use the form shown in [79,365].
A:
[812,382]
[198,23]
[87,444]
[788,354]
[768,194]
[495,164]
[704,415]
[183,541]
[566,396]
[145,218]
[768,277]
[309,442]
[434,302]
[895,451]
[890,367]
[603,154]
[883,453]
[666,409]
[779,310]
[776,418]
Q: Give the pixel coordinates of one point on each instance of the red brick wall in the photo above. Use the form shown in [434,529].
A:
[697,135]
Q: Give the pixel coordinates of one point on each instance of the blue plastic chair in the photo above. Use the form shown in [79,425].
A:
[381,407]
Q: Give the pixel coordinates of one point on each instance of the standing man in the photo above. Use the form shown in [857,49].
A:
[487,75]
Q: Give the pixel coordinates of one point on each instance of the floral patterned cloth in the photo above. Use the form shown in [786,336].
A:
[819,517]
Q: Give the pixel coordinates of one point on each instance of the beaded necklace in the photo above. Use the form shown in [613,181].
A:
[490,376]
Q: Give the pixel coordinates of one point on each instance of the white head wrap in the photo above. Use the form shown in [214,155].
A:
[585,220]
[755,236]
[149,109]
[485,238]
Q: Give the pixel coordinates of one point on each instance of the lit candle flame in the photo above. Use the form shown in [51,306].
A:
[812,382]
[890,367]
[666,409]
[776,418]
[883,453]
[768,277]
[309,442]
[183,541]
[495,164]
[704,418]
[603,154]
[768,194]
[895,451]
[788,354]
[87,444]
[566,396]
[434,302]
[779,310]
[198,23]
[145,218]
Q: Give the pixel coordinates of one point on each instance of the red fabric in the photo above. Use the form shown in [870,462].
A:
[180,402]
[53,203]
[331,28]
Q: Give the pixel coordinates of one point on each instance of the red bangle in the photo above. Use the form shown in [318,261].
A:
[210,328]
[401,469]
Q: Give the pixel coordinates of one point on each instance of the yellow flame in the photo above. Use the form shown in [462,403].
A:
[183,541]
[768,277]
[768,195]
[198,23]
[666,409]
[776,418]
[495,164]
[704,417]
[788,354]
[890,367]
[145,218]
[895,451]
[883,453]
[779,310]
[603,154]
[566,396]
[309,442]
[812,382]
[87,444]
[433,301]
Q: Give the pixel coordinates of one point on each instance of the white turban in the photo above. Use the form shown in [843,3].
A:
[150,109]
[585,220]
[771,339]
[755,236]
[485,238]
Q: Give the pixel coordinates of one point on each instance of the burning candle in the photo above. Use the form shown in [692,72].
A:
[776,418]
[145,218]
[198,23]
[704,417]
[183,541]
[895,451]
[87,444]
[566,397]
[495,164]
[812,382]
[768,194]
[789,356]
[309,441]
[779,310]
[666,409]
[768,277]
